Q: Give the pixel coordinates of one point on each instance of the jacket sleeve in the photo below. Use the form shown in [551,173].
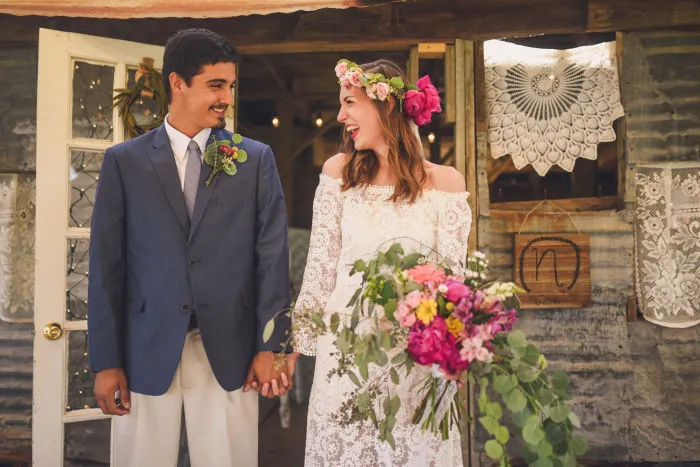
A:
[106,287]
[271,255]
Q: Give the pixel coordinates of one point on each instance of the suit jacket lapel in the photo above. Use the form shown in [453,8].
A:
[163,160]
[204,192]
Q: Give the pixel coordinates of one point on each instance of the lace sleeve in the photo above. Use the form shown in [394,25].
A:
[454,223]
[320,271]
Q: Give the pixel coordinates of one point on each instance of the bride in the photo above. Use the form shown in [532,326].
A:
[378,188]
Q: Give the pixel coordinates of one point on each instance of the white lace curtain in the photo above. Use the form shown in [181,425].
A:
[550,107]
[667,236]
[17,213]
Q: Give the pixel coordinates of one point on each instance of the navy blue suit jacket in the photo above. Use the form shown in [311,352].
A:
[150,267]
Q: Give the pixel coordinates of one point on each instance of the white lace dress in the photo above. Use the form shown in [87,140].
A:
[353,225]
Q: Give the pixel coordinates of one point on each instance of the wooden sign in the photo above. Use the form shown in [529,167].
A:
[553,269]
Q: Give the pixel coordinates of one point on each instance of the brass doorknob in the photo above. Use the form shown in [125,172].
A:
[53,331]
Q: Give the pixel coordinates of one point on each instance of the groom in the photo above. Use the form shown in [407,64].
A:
[184,275]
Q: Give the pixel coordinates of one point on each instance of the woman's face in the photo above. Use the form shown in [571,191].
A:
[360,117]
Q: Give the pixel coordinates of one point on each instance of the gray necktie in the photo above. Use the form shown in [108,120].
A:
[192,171]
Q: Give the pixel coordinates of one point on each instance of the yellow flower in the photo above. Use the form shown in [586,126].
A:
[449,306]
[426,311]
[454,325]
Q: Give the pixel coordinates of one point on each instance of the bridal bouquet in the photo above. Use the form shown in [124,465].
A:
[451,320]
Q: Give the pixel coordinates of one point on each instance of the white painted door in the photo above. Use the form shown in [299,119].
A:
[77,76]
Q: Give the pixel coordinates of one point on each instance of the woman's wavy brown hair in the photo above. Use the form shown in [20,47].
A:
[405,149]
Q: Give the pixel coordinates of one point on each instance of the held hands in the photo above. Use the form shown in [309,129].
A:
[111,392]
[271,374]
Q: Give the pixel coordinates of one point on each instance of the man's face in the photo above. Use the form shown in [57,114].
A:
[205,101]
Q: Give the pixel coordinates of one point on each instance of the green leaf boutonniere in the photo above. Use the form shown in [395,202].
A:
[223,155]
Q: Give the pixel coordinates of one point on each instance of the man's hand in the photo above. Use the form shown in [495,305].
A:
[268,375]
[107,383]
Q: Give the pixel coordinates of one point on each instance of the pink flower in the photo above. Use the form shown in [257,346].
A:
[426,273]
[413,299]
[405,316]
[454,363]
[486,304]
[483,332]
[457,291]
[382,91]
[355,78]
[469,348]
[340,69]
[372,92]
[428,344]
[422,103]
[506,319]
[345,82]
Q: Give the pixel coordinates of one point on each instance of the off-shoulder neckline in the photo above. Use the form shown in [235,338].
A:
[391,187]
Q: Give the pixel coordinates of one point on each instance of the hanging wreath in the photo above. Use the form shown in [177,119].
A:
[148,85]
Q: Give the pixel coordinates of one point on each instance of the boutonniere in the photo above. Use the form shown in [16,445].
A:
[222,155]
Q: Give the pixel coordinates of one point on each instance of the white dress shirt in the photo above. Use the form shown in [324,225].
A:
[179,143]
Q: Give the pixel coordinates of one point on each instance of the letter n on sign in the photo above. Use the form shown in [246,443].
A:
[553,269]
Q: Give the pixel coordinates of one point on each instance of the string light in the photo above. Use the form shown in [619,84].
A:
[431,137]
[275,122]
[319,120]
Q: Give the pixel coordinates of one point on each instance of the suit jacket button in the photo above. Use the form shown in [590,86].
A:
[192,261]
[185,308]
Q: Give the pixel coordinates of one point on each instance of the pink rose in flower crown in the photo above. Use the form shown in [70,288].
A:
[422,103]
[426,273]
[345,82]
[428,344]
[340,69]
[372,92]
[383,90]
[355,78]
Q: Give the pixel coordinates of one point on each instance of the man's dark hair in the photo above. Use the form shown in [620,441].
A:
[189,50]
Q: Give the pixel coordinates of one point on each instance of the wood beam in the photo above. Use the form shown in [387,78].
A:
[329,45]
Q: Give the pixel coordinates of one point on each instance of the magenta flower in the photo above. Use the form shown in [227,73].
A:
[457,291]
[428,344]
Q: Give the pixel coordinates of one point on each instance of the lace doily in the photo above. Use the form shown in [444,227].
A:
[667,236]
[549,107]
[17,213]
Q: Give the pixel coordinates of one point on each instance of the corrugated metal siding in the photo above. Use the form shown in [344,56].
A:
[633,383]
[18,78]
[15,387]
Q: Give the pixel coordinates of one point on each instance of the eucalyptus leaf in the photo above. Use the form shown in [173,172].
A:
[493,449]
[490,424]
[560,380]
[230,169]
[242,156]
[504,383]
[517,339]
[390,308]
[527,374]
[544,449]
[559,413]
[335,322]
[542,462]
[396,82]
[533,434]
[410,261]
[531,355]
[568,460]
[519,418]
[268,330]
[578,445]
[575,421]
[394,376]
[516,400]
[236,138]
[555,433]
[353,377]
[502,435]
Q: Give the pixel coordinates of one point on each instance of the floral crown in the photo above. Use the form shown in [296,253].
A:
[418,101]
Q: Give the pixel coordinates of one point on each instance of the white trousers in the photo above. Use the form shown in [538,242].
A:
[222,426]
